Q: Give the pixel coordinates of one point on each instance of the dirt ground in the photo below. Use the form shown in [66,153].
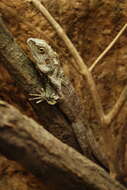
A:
[91,25]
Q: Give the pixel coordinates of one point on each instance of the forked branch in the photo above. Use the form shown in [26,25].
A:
[82,68]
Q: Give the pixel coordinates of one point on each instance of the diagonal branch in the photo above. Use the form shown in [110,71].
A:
[82,68]
[27,142]
[108,48]
[115,110]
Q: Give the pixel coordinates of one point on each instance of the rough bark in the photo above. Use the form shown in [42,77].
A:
[25,141]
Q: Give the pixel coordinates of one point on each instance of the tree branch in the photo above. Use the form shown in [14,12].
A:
[113,113]
[25,141]
[108,48]
[82,66]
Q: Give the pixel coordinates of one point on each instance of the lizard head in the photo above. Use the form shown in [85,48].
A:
[40,50]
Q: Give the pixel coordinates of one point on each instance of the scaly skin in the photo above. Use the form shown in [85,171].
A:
[48,64]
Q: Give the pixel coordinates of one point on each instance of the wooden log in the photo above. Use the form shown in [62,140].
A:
[28,143]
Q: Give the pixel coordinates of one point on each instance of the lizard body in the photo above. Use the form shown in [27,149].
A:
[48,64]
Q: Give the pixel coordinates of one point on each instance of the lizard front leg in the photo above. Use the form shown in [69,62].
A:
[49,95]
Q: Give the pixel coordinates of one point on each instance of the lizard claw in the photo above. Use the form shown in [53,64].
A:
[39,97]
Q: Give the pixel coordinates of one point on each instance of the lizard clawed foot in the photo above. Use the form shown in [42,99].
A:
[38,97]
[41,96]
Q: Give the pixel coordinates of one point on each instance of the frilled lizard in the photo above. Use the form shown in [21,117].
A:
[48,64]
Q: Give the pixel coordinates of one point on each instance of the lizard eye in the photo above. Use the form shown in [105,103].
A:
[42,50]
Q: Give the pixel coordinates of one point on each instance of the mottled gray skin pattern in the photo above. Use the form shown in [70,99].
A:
[47,62]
